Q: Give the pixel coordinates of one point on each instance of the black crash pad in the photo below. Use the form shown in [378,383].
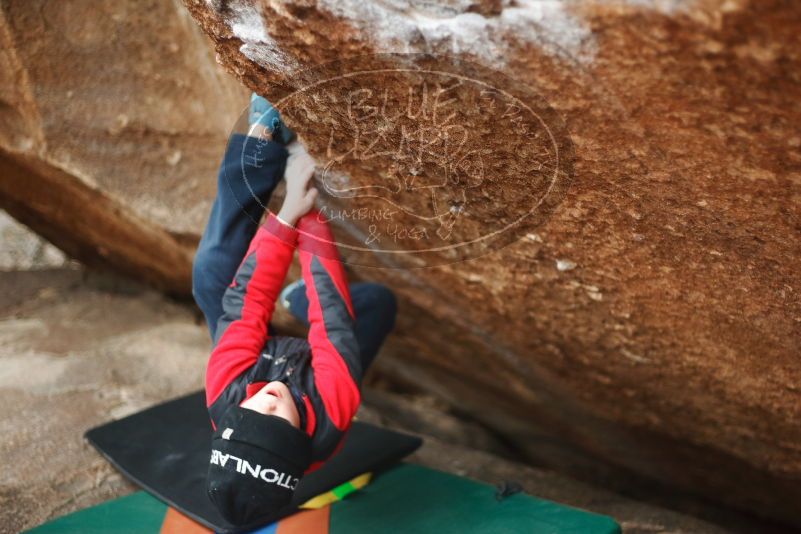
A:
[165,450]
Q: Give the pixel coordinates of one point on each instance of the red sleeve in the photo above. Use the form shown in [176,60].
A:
[248,305]
[335,352]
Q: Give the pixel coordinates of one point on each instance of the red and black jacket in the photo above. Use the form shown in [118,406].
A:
[324,368]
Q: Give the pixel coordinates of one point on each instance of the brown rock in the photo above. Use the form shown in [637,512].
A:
[111,117]
[23,249]
[643,322]
[638,323]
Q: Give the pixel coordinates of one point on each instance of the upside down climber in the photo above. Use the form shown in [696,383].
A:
[280,406]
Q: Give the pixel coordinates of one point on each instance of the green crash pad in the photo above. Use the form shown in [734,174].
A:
[133,514]
[407,498]
[413,499]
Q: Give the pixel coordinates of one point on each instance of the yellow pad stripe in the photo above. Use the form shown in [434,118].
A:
[338,493]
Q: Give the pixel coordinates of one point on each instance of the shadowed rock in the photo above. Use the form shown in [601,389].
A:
[111,118]
[629,311]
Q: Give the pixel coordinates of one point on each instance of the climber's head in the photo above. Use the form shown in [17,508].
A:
[274,399]
[256,463]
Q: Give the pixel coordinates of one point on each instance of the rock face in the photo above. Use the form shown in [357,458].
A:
[644,315]
[22,249]
[589,209]
[107,140]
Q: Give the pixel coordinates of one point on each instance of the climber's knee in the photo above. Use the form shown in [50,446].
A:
[384,304]
[202,284]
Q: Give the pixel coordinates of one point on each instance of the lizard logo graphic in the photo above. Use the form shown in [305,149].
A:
[425,160]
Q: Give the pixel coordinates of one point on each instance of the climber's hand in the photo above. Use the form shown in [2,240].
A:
[300,195]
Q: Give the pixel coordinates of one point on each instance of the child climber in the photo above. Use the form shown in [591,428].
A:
[280,406]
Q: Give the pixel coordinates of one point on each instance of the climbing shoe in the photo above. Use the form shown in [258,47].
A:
[264,114]
[285,298]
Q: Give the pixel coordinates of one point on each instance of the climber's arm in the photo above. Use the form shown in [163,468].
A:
[249,300]
[248,305]
[334,348]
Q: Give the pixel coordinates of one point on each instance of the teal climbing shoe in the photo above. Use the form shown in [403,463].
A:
[285,297]
[261,112]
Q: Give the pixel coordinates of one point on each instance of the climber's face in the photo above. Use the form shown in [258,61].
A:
[274,399]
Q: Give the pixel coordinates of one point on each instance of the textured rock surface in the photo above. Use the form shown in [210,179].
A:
[643,328]
[97,363]
[107,137]
[23,249]
[649,328]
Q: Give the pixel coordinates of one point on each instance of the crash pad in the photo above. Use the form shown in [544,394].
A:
[405,498]
[165,450]
[415,500]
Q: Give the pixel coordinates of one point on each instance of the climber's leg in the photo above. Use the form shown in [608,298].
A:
[375,308]
[374,305]
[248,174]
